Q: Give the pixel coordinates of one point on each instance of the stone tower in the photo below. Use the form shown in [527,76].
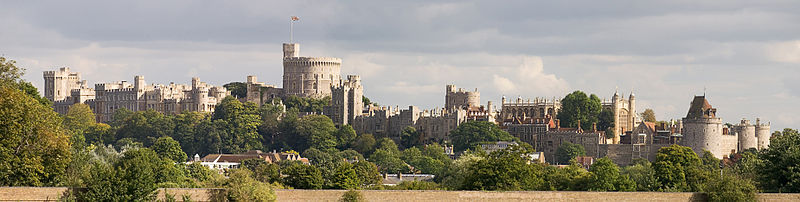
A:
[762,134]
[308,76]
[624,114]
[458,98]
[702,130]
[746,135]
[346,100]
[59,84]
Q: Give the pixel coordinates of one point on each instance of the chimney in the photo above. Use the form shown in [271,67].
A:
[594,127]
[579,125]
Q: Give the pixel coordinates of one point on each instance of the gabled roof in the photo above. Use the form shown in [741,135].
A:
[700,108]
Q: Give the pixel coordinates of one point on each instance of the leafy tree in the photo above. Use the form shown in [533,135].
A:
[344,136]
[643,174]
[352,196]
[202,174]
[505,170]
[746,164]
[388,144]
[318,131]
[677,168]
[364,144]
[388,161]
[237,89]
[367,102]
[10,76]
[345,177]
[606,177]
[133,177]
[606,122]
[570,178]
[263,171]
[416,185]
[472,133]
[730,188]
[168,148]
[649,115]
[237,124]
[436,151]
[302,176]
[576,108]
[99,134]
[79,118]
[454,177]
[567,152]
[33,145]
[780,170]
[367,172]
[410,137]
[241,187]
[186,132]
[307,104]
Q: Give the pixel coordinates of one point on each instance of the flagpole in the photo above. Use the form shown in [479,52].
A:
[291,31]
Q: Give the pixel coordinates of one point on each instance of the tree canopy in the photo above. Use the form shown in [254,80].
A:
[568,151]
[649,115]
[578,107]
[472,133]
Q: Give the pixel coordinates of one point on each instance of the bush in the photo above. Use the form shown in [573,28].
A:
[352,196]
[241,187]
[730,188]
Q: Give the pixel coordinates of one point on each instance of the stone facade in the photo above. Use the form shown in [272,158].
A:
[106,98]
[308,76]
[261,93]
[458,98]
[703,130]
[550,141]
[624,114]
[763,134]
[520,110]
[346,101]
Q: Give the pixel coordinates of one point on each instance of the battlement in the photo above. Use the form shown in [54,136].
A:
[315,60]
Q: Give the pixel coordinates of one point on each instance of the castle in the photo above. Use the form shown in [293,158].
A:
[106,98]
[704,131]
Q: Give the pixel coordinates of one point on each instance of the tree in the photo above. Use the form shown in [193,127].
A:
[10,76]
[352,196]
[606,177]
[677,168]
[241,187]
[367,172]
[318,131]
[168,148]
[567,152]
[780,170]
[364,144]
[344,136]
[642,173]
[570,178]
[345,177]
[505,170]
[472,133]
[133,177]
[649,115]
[576,108]
[237,124]
[367,102]
[730,188]
[454,177]
[33,145]
[79,118]
[388,161]
[606,122]
[410,137]
[300,176]
[237,89]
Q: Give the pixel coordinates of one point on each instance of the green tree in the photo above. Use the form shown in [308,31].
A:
[677,168]
[79,119]
[367,102]
[133,177]
[367,172]
[352,196]
[237,124]
[606,122]
[345,177]
[388,161]
[643,174]
[606,177]
[648,115]
[454,177]
[570,178]
[237,89]
[576,108]
[567,152]
[780,170]
[505,170]
[344,136]
[318,131]
[472,133]
[186,132]
[410,137]
[263,171]
[168,148]
[364,144]
[10,76]
[241,187]
[301,176]
[33,145]
[730,188]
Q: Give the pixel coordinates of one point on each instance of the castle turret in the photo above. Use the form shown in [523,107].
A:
[746,135]
[762,134]
[308,76]
[702,130]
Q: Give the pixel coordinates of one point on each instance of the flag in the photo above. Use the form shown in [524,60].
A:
[295,18]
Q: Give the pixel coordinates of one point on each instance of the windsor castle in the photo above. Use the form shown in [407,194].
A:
[532,121]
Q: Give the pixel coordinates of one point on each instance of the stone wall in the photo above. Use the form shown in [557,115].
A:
[55,193]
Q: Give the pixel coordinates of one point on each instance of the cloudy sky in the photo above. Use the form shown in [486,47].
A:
[745,53]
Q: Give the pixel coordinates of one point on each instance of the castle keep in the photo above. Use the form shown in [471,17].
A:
[308,76]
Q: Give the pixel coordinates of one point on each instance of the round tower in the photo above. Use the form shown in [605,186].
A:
[702,130]
[762,134]
[747,135]
[309,76]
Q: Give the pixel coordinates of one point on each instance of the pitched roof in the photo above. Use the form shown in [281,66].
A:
[700,107]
